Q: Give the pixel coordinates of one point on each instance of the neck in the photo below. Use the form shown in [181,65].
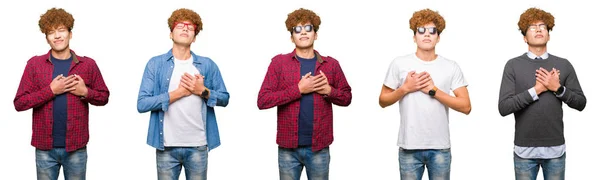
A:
[181,52]
[64,54]
[538,50]
[426,55]
[306,53]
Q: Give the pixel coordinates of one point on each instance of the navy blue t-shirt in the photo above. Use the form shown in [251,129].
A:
[305,120]
[59,105]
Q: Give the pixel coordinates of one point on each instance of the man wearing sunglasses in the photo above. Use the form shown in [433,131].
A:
[303,85]
[181,89]
[58,87]
[534,87]
[422,84]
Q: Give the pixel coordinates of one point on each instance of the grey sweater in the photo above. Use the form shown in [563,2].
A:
[538,123]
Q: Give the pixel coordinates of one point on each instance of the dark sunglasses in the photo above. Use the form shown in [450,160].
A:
[432,30]
[307,28]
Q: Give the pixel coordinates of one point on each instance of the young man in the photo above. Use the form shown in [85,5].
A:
[58,86]
[421,83]
[536,101]
[181,89]
[303,85]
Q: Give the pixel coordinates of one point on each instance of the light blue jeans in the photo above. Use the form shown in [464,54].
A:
[193,159]
[48,163]
[526,169]
[292,161]
[413,163]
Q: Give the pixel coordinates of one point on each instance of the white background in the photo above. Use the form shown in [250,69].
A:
[242,37]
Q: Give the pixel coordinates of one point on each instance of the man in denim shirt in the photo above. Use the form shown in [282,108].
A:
[181,90]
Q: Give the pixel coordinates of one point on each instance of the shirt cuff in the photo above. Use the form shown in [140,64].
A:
[533,94]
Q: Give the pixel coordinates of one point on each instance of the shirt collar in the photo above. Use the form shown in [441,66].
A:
[170,57]
[75,59]
[533,56]
[320,59]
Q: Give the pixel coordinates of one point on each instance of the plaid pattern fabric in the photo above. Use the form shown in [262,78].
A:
[34,92]
[280,88]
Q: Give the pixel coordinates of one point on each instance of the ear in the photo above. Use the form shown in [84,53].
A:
[71,34]
[194,40]
[525,39]
[292,38]
[316,35]
[438,38]
[171,35]
[415,38]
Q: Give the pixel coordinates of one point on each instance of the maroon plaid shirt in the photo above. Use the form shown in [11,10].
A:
[280,88]
[34,92]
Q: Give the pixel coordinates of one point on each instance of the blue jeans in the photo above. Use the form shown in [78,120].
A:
[554,169]
[413,163]
[48,163]
[193,159]
[292,160]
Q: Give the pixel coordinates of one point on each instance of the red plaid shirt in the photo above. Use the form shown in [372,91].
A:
[280,88]
[34,92]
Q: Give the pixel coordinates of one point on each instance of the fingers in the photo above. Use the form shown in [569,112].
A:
[322,74]
[410,74]
[70,84]
[70,89]
[306,75]
[319,84]
[60,76]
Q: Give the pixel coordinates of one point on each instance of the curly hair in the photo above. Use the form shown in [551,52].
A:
[532,15]
[185,15]
[426,16]
[302,16]
[53,18]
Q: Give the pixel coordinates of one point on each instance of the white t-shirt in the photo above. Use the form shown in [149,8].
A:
[183,123]
[423,119]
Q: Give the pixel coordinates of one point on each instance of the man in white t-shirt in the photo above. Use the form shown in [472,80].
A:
[181,91]
[421,84]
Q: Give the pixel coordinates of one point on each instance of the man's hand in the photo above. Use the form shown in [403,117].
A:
[79,89]
[550,80]
[415,81]
[322,84]
[306,84]
[428,83]
[61,84]
[193,83]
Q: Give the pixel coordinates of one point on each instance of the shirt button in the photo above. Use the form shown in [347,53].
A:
[161,120]
[160,133]
[167,78]
[171,66]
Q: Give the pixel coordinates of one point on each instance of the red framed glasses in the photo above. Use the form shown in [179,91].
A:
[181,25]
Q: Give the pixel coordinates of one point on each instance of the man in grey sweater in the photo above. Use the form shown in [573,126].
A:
[534,86]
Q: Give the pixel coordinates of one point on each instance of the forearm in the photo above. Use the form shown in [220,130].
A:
[387,98]
[24,101]
[268,99]
[98,97]
[340,97]
[460,104]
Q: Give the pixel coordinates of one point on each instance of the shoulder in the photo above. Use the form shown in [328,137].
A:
[37,59]
[404,59]
[281,57]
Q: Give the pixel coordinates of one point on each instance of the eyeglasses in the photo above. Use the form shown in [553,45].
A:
[307,28]
[541,27]
[432,30]
[181,25]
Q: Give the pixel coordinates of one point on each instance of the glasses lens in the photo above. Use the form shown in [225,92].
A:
[298,29]
[421,30]
[308,28]
[432,30]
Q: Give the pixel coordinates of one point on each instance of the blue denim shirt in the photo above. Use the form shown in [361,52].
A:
[154,96]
